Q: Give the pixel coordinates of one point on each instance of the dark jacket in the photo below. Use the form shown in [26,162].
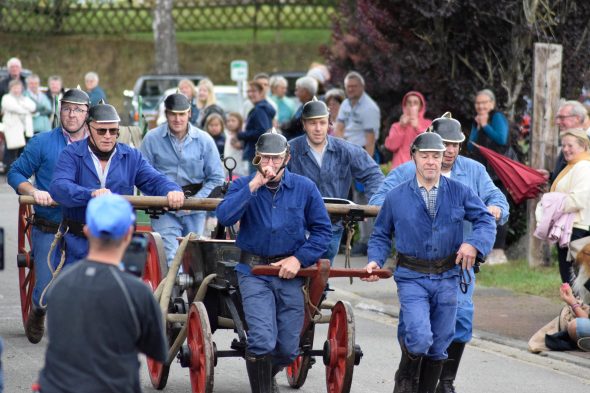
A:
[258,122]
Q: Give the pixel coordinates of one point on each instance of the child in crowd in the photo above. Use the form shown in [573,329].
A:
[215,126]
[233,147]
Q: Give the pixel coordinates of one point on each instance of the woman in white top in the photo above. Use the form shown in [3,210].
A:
[573,181]
[17,117]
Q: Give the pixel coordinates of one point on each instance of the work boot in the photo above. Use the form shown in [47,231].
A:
[406,376]
[449,371]
[35,326]
[260,373]
[429,374]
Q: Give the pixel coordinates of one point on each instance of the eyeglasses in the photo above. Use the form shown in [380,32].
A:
[275,159]
[76,111]
[103,131]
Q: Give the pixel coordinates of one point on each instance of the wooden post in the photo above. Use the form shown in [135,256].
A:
[544,133]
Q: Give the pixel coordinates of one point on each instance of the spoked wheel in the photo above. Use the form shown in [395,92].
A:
[154,271]
[24,260]
[297,371]
[200,344]
[339,349]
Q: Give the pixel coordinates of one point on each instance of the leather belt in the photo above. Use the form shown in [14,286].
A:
[73,227]
[44,225]
[191,189]
[436,266]
[254,260]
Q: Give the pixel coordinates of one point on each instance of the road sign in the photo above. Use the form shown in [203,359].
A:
[239,70]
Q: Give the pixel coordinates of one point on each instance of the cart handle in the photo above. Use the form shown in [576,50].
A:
[312,271]
[209,204]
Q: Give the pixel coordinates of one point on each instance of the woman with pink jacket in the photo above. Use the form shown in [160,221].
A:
[410,124]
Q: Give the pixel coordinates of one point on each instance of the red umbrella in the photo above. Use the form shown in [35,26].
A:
[521,181]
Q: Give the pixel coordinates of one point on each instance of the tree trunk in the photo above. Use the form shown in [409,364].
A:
[165,38]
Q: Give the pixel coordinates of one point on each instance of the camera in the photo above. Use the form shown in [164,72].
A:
[136,255]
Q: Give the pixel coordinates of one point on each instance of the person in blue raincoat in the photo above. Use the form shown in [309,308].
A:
[473,175]
[187,156]
[38,161]
[426,214]
[99,165]
[283,222]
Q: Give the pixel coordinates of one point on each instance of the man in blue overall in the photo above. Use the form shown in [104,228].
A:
[283,222]
[96,166]
[38,160]
[473,175]
[187,156]
[331,163]
[426,214]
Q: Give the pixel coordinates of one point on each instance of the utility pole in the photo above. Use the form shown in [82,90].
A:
[544,133]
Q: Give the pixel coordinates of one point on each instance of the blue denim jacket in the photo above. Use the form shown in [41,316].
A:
[276,224]
[404,214]
[39,159]
[465,171]
[342,162]
[75,178]
[198,161]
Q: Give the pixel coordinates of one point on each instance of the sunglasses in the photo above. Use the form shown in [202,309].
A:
[103,131]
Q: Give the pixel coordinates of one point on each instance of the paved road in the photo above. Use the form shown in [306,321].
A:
[492,367]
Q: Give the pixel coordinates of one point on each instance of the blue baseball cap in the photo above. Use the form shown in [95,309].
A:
[109,216]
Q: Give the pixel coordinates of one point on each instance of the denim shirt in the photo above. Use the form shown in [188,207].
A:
[276,224]
[39,159]
[197,161]
[404,214]
[342,162]
[465,171]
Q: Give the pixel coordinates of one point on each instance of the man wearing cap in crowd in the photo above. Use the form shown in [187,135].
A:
[474,175]
[283,222]
[331,163]
[426,214]
[187,156]
[100,316]
[38,160]
[96,166]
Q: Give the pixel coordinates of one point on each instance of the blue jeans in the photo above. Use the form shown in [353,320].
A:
[334,244]
[171,226]
[274,311]
[428,309]
[41,245]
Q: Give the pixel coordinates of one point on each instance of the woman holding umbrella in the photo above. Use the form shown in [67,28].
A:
[573,182]
[490,129]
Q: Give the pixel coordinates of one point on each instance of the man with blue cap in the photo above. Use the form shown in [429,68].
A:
[189,157]
[426,214]
[101,317]
[38,162]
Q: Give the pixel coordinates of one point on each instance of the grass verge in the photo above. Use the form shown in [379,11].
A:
[519,277]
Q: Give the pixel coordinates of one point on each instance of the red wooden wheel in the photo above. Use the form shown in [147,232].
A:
[200,344]
[24,259]
[339,349]
[297,371]
[154,271]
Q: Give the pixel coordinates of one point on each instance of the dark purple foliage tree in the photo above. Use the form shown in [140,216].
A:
[449,49]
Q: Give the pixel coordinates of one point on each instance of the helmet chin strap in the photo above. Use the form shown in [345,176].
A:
[256,163]
[101,155]
[73,132]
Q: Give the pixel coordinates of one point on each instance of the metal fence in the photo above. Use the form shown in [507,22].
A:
[135,16]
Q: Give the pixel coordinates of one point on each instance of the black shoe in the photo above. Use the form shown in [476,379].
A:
[450,367]
[260,373]
[429,375]
[35,326]
[406,376]
[359,250]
